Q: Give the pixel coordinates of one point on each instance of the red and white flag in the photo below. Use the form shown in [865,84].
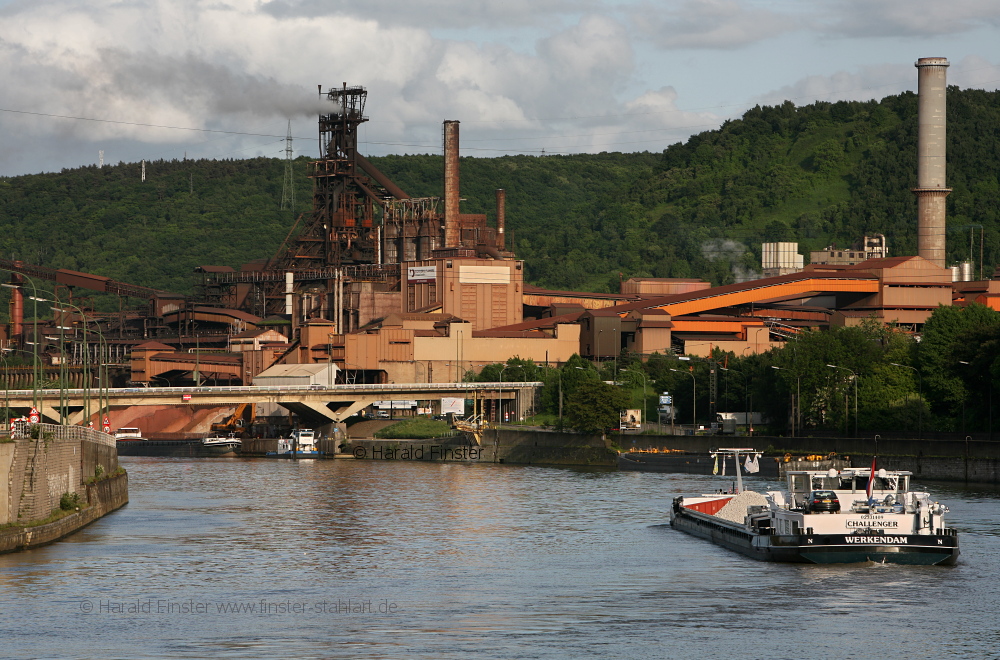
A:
[871,479]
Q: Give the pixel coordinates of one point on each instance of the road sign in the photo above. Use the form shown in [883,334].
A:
[107,425]
[33,416]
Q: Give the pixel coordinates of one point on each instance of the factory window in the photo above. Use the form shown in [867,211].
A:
[840,254]
[447,264]
[519,265]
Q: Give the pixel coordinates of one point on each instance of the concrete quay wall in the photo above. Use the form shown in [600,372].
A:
[510,446]
[967,461]
[35,473]
[101,497]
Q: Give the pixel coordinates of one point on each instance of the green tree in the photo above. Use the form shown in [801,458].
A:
[595,407]
[945,341]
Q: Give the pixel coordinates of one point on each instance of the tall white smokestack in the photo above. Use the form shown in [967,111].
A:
[931,189]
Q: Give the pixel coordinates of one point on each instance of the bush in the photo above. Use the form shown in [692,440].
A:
[416,428]
[69,501]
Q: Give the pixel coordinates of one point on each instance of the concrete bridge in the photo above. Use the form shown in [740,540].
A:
[316,403]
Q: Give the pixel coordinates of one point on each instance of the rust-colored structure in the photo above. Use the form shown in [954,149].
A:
[350,249]
[392,288]
[451,178]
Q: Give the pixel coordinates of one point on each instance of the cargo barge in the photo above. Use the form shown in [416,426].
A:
[824,517]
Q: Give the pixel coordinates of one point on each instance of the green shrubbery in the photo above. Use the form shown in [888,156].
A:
[417,428]
[69,501]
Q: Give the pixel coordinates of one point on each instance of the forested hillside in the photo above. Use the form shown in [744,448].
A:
[816,174]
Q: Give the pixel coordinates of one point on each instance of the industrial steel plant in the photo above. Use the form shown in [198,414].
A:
[376,286]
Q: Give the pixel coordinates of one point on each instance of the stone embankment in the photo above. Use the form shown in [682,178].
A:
[506,445]
[972,461]
[40,476]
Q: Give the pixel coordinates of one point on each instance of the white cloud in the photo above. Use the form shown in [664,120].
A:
[717,24]
[563,75]
[870,82]
[908,18]
[223,64]
[437,14]
[878,81]
[975,72]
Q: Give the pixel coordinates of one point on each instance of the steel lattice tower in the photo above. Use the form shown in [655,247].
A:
[288,189]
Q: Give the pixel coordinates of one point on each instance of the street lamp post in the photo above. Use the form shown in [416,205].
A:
[798,401]
[644,381]
[746,393]
[500,397]
[694,398]
[6,386]
[833,366]
[86,358]
[920,395]
[329,361]
[103,377]
[559,374]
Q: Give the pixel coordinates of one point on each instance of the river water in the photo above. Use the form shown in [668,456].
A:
[363,559]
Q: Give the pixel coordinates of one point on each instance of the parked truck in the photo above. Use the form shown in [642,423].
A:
[730,421]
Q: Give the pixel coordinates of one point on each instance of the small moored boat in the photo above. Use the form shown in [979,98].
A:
[300,444]
[217,445]
[824,517]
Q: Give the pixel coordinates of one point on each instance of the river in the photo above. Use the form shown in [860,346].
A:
[364,559]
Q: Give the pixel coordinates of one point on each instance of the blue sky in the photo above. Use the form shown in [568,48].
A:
[152,79]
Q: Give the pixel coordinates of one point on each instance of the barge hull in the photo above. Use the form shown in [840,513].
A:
[925,550]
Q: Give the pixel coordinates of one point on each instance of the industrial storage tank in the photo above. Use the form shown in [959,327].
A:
[965,268]
[962,272]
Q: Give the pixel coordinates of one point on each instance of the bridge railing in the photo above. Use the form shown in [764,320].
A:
[388,387]
[61,433]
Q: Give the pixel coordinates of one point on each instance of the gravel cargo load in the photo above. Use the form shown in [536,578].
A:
[736,509]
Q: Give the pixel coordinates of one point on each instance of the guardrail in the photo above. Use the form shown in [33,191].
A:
[261,389]
[62,433]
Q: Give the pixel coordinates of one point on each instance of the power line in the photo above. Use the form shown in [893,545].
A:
[560,150]
[133,123]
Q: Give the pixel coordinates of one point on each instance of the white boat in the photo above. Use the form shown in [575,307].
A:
[300,444]
[128,433]
[824,517]
[219,445]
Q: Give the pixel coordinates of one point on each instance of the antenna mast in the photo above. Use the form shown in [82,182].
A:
[288,189]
